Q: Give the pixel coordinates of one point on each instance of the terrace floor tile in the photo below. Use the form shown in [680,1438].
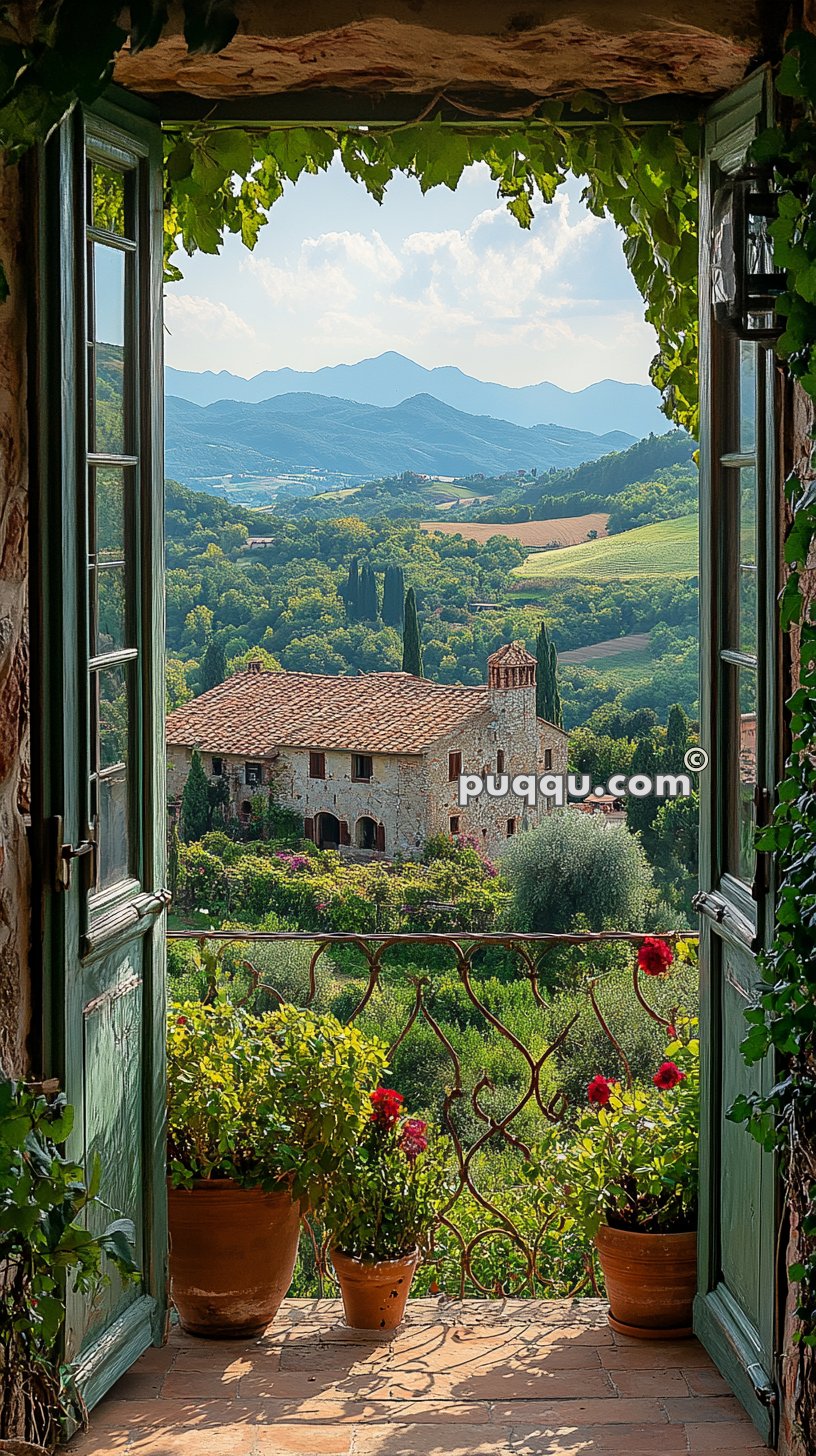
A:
[460,1378]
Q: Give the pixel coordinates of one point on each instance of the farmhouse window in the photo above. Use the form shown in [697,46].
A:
[547,758]
[454,823]
[454,766]
[218,768]
[511,828]
[317,765]
[253,775]
[500,761]
[362,767]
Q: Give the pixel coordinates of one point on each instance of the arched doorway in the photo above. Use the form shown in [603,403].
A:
[365,832]
[327,831]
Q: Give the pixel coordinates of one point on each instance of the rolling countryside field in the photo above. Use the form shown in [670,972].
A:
[665,549]
[536,535]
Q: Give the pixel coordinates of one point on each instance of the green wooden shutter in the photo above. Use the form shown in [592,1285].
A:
[98,751]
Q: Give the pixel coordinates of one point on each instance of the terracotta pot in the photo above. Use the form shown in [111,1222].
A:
[375,1295]
[232,1256]
[651,1280]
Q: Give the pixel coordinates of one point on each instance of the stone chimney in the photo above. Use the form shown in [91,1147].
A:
[511,667]
[254,665]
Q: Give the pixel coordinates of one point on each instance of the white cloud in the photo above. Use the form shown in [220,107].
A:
[467,286]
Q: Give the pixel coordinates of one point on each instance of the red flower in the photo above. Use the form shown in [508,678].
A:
[414,1137]
[599,1090]
[654,957]
[667,1076]
[386,1104]
[671,1030]
[181,1021]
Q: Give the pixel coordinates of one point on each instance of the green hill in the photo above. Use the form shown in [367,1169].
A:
[665,549]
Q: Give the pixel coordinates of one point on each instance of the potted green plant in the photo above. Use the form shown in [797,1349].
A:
[626,1172]
[262,1110]
[386,1200]
[44,1246]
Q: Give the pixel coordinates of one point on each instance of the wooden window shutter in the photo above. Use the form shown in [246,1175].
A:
[309,829]
[381,837]
[345,837]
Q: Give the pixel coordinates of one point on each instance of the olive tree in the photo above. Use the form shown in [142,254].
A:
[576,868]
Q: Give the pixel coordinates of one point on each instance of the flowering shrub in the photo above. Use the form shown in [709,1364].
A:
[631,1159]
[320,890]
[391,1192]
[270,1100]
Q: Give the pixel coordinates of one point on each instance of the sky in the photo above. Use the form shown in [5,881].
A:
[448,278]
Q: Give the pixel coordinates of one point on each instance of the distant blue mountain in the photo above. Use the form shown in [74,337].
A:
[295,432]
[391,378]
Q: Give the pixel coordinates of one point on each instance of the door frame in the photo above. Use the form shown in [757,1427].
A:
[731,126]
[56,399]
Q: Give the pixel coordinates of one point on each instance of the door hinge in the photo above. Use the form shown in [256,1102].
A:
[763,1389]
[62,855]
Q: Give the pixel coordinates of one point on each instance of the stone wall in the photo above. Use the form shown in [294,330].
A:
[15,910]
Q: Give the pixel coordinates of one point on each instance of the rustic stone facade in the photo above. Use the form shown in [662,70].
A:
[409,796]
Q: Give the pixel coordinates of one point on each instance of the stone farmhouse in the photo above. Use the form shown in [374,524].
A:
[373,762]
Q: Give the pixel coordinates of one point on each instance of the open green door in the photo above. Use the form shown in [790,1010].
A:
[98,679]
[740,716]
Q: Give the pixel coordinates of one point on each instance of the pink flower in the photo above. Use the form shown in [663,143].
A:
[413,1137]
[599,1090]
[654,956]
[667,1076]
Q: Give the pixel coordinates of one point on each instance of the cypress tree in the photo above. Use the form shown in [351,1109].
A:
[411,640]
[548,699]
[195,802]
[213,665]
[677,738]
[641,813]
[368,599]
[393,597]
[352,591]
[557,711]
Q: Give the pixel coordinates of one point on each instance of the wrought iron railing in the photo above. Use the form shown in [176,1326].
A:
[496,1036]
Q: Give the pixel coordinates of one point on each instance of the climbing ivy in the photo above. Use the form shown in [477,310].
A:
[783,1018]
[225,180]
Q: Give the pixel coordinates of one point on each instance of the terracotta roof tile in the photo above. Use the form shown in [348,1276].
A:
[253,713]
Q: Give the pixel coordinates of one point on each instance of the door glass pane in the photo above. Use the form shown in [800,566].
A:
[740,760]
[112,715]
[113,858]
[747,397]
[109,783]
[108,503]
[111,628]
[107,199]
[747,564]
[108,424]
